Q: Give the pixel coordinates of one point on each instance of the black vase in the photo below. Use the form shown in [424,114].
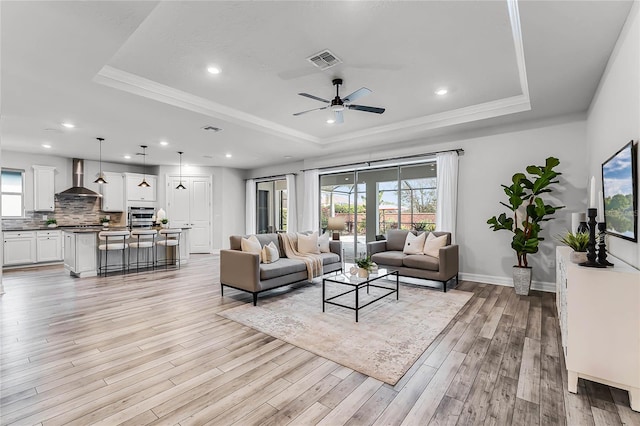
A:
[582,228]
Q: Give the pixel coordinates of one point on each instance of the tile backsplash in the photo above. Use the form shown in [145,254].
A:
[69,211]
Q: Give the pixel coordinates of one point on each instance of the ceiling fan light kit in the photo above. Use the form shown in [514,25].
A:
[337,105]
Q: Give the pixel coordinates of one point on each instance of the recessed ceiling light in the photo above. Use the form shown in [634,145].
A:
[213,70]
[46,145]
[228,155]
[69,125]
[164,143]
[127,157]
[331,121]
[441,92]
[288,157]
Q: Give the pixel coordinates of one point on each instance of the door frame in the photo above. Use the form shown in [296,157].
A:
[170,176]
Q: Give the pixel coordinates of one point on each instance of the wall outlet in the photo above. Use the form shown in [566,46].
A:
[45,217]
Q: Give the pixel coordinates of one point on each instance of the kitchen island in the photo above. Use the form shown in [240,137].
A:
[81,251]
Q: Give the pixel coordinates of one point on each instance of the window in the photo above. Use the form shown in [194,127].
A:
[271,206]
[12,182]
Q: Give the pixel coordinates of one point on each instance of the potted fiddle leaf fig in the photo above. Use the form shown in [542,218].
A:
[528,212]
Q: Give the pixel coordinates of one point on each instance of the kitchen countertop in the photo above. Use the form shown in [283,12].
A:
[76,229]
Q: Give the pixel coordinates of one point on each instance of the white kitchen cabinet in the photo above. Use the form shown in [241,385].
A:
[137,193]
[80,253]
[19,247]
[113,198]
[44,188]
[48,246]
[600,323]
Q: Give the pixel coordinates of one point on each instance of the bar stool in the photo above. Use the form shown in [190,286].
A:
[144,239]
[113,241]
[171,239]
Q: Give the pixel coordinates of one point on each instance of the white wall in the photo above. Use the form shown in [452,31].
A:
[614,116]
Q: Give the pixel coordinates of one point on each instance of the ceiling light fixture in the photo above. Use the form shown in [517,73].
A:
[164,143]
[180,186]
[213,70]
[69,125]
[331,121]
[46,145]
[228,155]
[127,157]
[144,183]
[441,92]
[101,178]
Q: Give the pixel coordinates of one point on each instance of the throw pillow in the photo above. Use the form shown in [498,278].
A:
[323,243]
[308,243]
[433,245]
[270,253]
[414,243]
[251,245]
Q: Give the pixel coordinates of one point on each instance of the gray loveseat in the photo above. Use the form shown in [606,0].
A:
[389,253]
[243,271]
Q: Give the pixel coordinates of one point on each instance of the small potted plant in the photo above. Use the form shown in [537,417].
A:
[164,222]
[578,242]
[364,266]
[105,222]
[52,223]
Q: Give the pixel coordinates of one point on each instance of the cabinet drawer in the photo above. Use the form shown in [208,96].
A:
[48,234]
[8,235]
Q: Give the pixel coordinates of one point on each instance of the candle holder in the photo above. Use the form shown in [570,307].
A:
[602,249]
[591,247]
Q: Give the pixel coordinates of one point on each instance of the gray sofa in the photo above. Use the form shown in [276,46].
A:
[389,253]
[243,271]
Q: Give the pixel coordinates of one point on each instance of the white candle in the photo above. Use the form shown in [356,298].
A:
[592,193]
[600,207]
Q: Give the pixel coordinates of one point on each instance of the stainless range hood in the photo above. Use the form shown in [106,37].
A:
[78,189]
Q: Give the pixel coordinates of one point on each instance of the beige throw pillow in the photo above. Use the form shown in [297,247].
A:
[270,253]
[251,245]
[414,244]
[323,243]
[433,245]
[308,243]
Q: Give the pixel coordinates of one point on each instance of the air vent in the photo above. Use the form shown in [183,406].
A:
[212,128]
[324,59]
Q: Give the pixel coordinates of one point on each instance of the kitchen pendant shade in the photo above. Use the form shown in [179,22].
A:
[101,179]
[181,186]
[144,183]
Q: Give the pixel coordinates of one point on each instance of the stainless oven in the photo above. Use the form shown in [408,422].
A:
[141,217]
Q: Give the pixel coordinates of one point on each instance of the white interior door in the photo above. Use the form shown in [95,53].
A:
[191,207]
[200,193]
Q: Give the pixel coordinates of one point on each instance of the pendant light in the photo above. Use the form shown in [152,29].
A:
[101,178]
[181,186]
[144,183]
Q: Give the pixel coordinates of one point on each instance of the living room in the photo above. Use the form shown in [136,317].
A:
[570,92]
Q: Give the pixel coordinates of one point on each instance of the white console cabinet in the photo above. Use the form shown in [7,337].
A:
[599,312]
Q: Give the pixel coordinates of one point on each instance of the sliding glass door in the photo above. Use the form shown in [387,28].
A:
[375,200]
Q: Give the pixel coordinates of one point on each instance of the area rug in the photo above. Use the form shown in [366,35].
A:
[389,337]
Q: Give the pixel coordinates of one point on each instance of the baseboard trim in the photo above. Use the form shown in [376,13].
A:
[506,281]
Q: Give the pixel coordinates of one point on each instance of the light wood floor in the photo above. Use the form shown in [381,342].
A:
[150,349]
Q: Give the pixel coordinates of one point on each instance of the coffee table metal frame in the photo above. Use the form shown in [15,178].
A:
[359,283]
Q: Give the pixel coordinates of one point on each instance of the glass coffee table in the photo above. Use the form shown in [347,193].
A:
[358,284]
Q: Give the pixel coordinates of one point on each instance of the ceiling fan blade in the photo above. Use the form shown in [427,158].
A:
[357,94]
[306,95]
[339,117]
[315,109]
[366,108]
